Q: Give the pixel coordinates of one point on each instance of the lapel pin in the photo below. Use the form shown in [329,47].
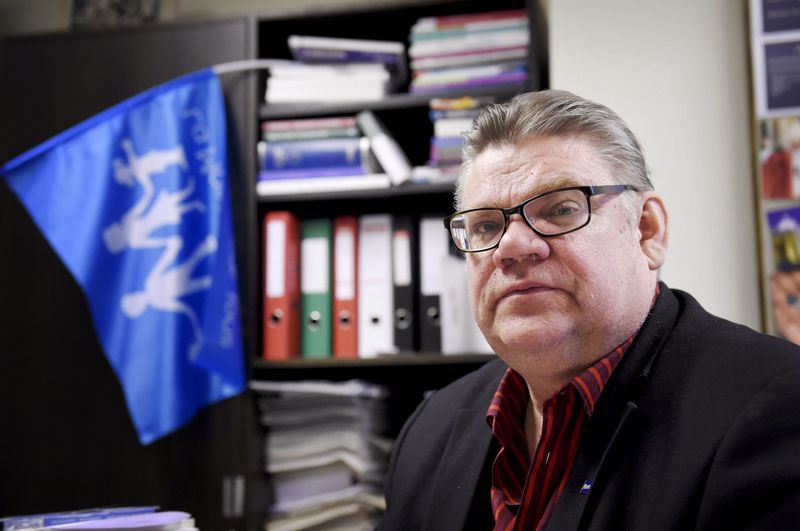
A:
[587,486]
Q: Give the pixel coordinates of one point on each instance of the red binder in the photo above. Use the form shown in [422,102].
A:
[281,286]
[345,282]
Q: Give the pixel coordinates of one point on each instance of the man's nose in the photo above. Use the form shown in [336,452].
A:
[520,243]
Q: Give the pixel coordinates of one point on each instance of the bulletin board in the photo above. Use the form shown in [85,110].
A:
[775,74]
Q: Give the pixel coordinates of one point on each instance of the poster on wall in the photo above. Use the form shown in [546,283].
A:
[779,157]
[775,39]
[775,55]
[784,277]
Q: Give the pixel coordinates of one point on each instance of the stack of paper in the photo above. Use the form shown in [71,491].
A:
[325,452]
[332,50]
[327,83]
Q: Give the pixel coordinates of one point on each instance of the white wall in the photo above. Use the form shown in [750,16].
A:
[677,73]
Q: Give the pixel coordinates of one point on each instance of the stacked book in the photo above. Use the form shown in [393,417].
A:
[468,51]
[317,155]
[145,518]
[451,117]
[325,451]
[332,70]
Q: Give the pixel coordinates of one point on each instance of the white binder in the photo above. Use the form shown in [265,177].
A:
[375,288]
[460,333]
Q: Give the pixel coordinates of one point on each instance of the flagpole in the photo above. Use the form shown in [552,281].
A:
[251,64]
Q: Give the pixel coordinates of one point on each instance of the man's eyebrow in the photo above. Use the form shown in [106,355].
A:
[556,183]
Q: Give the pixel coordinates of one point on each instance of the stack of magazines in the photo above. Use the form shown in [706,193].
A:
[326,452]
[464,52]
[333,70]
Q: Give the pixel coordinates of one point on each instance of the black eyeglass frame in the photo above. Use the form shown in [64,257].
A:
[588,191]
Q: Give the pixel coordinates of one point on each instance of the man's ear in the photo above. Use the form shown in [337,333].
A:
[653,231]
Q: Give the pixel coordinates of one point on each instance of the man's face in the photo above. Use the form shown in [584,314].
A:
[552,306]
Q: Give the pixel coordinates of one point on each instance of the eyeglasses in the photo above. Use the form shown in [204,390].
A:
[549,214]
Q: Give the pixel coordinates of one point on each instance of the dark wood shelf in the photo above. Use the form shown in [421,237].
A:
[408,189]
[391,101]
[390,360]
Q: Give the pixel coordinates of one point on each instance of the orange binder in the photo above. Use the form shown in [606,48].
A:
[345,282]
[281,286]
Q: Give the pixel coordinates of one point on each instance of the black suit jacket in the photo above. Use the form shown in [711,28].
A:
[697,428]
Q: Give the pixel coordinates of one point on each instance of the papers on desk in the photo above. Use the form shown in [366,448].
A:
[325,452]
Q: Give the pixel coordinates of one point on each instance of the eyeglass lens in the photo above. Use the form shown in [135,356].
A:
[550,214]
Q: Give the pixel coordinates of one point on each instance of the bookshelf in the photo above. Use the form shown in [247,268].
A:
[406,116]
[57,377]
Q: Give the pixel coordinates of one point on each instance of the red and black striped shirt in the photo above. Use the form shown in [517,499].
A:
[525,489]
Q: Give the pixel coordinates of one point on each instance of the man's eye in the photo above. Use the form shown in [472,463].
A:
[564,208]
[485,227]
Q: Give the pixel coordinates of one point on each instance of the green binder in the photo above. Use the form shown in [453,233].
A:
[316,288]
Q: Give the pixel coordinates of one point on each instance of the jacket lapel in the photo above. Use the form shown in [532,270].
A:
[457,477]
[614,418]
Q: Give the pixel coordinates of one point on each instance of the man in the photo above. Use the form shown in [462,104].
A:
[616,402]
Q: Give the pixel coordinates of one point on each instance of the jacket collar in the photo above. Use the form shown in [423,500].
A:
[615,414]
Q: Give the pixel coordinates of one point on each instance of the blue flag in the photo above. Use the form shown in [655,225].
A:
[135,202]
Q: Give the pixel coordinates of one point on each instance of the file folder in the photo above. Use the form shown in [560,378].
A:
[345,275]
[460,332]
[281,286]
[404,246]
[315,288]
[433,248]
[375,291]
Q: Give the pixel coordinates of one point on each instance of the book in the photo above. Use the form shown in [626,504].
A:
[309,129]
[157,521]
[311,173]
[375,288]
[449,75]
[433,248]
[345,287]
[451,127]
[385,148]
[315,287]
[323,91]
[462,103]
[404,280]
[44,520]
[303,124]
[281,286]
[468,20]
[321,185]
[420,34]
[460,333]
[312,154]
[296,82]
[470,41]
[298,42]
[508,78]
[470,57]
[392,54]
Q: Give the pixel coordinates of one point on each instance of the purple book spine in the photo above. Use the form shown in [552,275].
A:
[310,173]
[502,79]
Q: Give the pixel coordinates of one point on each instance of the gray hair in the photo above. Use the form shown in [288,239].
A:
[556,113]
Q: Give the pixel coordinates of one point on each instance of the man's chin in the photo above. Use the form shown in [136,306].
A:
[528,338]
